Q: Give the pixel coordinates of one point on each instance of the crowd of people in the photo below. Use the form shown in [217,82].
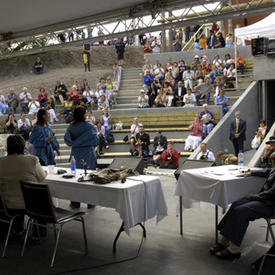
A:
[179,84]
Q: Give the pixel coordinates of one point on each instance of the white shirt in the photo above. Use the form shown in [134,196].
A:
[27,97]
[2,99]
[89,95]
[189,99]
[143,101]
[208,155]
[133,126]
[159,72]
[157,45]
[34,107]
[20,123]
[188,75]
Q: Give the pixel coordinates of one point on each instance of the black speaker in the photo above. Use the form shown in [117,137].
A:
[259,46]
[136,164]
[192,164]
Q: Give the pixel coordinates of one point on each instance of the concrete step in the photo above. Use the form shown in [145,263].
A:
[125,106]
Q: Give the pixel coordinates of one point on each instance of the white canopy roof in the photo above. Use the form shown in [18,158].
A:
[263,28]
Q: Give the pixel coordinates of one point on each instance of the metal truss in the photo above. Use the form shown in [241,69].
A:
[134,21]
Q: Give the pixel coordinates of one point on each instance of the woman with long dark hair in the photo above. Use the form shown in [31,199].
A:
[82,137]
[43,140]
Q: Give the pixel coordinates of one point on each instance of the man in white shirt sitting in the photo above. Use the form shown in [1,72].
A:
[24,126]
[189,99]
[33,106]
[25,98]
[188,77]
[205,154]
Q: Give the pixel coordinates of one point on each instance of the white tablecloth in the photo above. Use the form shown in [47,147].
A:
[217,185]
[128,198]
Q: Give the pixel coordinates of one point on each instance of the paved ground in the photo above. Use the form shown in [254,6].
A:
[163,252]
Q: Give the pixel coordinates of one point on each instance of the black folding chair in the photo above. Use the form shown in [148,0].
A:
[6,217]
[269,229]
[39,208]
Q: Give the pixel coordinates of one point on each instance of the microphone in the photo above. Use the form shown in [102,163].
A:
[85,166]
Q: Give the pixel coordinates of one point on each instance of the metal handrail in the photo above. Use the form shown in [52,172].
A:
[193,38]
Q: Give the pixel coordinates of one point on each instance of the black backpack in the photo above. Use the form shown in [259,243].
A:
[110,138]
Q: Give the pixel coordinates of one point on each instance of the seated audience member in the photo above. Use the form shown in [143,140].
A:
[234,224]
[81,101]
[205,154]
[160,72]
[106,121]
[207,119]
[103,103]
[230,75]
[257,140]
[3,105]
[102,142]
[197,45]
[11,124]
[77,85]
[214,74]
[38,66]
[143,100]
[52,113]
[189,98]
[195,136]
[68,106]
[147,66]
[168,64]
[12,100]
[74,94]
[268,158]
[168,91]
[195,64]
[199,73]
[90,117]
[188,77]
[85,83]
[142,143]
[51,102]
[180,91]
[170,157]
[33,106]
[160,144]
[177,45]
[16,167]
[90,96]
[42,97]
[148,79]
[226,158]
[152,98]
[161,99]
[60,90]
[100,84]
[147,47]
[240,63]
[134,130]
[111,89]
[203,90]
[227,61]
[182,68]
[24,126]
[222,100]
[219,85]
[203,42]
[220,41]
[262,128]
[229,40]
[25,98]
[217,63]
[169,79]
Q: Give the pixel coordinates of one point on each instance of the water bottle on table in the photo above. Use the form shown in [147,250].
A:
[73,166]
[241,158]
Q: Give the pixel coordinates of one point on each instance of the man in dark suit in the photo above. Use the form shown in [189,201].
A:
[180,91]
[212,40]
[253,206]
[237,132]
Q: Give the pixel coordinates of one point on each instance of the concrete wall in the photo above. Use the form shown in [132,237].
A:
[248,105]
[264,68]
[188,56]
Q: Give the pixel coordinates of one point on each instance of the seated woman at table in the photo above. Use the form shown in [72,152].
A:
[195,136]
[235,222]
[82,137]
[43,140]
[15,167]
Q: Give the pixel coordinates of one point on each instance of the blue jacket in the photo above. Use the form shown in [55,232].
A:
[147,80]
[41,148]
[82,137]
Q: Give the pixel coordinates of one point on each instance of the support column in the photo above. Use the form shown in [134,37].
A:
[264,100]
[163,38]
[171,36]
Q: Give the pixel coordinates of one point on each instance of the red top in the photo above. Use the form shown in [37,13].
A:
[147,49]
[173,157]
[195,130]
[73,95]
[42,96]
